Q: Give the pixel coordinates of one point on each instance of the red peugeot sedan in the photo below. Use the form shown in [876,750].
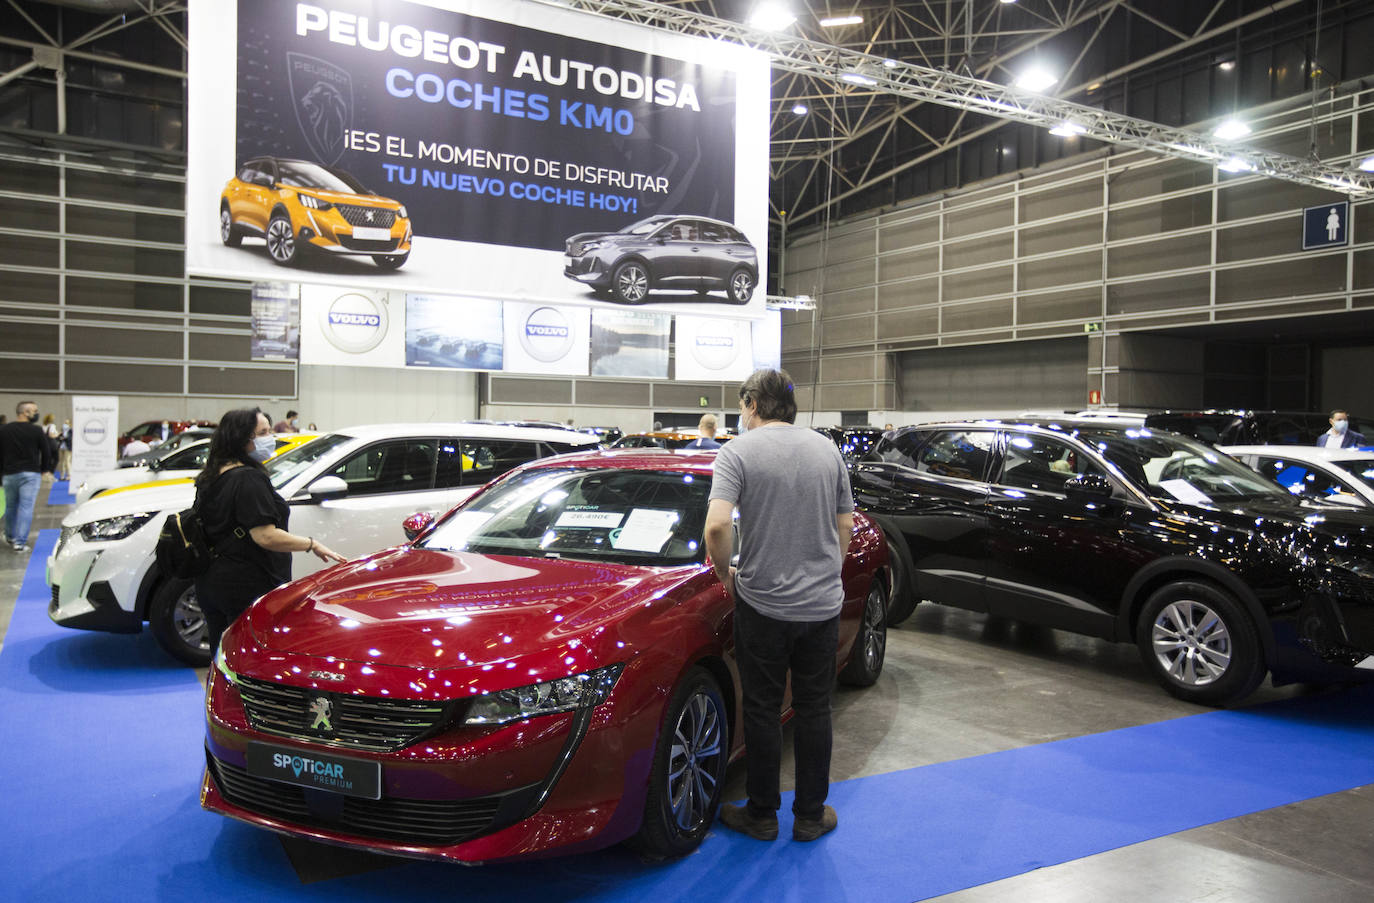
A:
[546,670]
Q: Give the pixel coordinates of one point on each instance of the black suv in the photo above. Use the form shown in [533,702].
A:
[1132,535]
[665,252]
[1253,427]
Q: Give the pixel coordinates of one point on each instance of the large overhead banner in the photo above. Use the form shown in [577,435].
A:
[504,150]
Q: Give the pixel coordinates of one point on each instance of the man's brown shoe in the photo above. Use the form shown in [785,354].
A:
[808,829]
[739,818]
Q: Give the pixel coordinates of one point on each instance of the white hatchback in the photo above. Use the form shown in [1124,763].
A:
[351,489]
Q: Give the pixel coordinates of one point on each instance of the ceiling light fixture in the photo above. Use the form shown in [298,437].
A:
[855,78]
[836,21]
[1231,129]
[1035,79]
[1067,129]
[889,64]
[1367,164]
[771,17]
[1236,164]
[800,109]
[1226,65]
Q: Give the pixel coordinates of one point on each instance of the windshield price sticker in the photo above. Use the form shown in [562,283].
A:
[1185,492]
[606,520]
[646,530]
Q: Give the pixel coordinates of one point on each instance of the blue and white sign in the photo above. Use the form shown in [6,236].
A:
[352,327]
[1326,226]
[95,429]
[543,338]
[713,350]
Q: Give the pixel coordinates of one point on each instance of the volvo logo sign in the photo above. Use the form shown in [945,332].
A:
[546,335]
[94,432]
[355,323]
[715,352]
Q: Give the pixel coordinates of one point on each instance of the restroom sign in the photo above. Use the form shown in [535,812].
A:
[1326,226]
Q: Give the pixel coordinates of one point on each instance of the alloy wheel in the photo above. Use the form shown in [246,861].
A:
[872,634]
[189,620]
[694,761]
[632,283]
[741,287]
[1191,642]
[281,244]
[226,225]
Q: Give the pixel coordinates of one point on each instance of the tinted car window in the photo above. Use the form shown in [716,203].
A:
[1042,463]
[1300,478]
[685,230]
[185,459]
[899,449]
[483,460]
[956,453]
[713,232]
[1289,429]
[303,174]
[403,465]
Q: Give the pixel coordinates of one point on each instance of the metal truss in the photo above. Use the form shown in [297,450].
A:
[865,91]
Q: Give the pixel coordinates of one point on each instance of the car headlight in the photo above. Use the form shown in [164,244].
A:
[401,212]
[313,203]
[563,695]
[222,666]
[112,528]
[592,246]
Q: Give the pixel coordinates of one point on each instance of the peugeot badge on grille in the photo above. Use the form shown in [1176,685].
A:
[371,216]
[321,708]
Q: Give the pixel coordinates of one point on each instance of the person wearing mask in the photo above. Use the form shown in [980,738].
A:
[796,519]
[25,456]
[64,451]
[290,425]
[245,520]
[707,428]
[1340,435]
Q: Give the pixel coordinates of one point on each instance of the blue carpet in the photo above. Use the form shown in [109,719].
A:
[60,493]
[100,761]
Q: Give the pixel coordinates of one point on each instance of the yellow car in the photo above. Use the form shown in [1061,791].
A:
[285,442]
[297,205]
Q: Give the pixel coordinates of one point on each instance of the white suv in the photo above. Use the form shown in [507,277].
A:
[351,489]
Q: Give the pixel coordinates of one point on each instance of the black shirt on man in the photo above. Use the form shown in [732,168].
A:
[24,448]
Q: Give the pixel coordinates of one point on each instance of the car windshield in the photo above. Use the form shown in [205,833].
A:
[285,466]
[302,174]
[1177,468]
[1361,470]
[647,517]
[645,226]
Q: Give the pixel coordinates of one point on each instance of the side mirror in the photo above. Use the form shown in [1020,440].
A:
[326,488]
[1088,486]
[417,523]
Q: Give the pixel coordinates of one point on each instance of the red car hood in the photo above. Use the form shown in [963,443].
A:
[428,609]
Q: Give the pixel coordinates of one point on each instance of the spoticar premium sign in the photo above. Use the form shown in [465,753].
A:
[465,147]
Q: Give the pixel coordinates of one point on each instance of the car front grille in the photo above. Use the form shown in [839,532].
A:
[360,722]
[411,821]
[357,244]
[355,215]
[56,598]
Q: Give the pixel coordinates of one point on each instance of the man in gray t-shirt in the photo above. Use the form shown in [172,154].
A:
[791,489]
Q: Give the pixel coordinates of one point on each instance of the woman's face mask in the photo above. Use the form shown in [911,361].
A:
[263,446]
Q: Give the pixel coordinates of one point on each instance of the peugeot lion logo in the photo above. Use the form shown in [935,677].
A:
[715,352]
[323,96]
[321,708]
[355,323]
[546,335]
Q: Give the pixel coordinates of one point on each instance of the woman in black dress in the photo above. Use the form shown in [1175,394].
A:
[235,498]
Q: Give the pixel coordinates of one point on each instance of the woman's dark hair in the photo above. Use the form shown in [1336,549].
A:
[231,437]
[772,395]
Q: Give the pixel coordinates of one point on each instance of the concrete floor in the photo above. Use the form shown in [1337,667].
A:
[957,684]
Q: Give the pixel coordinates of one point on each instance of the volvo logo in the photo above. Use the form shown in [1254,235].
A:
[546,335]
[715,352]
[325,675]
[322,709]
[355,323]
[94,432]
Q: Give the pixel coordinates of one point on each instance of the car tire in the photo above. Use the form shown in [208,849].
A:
[1200,643]
[630,282]
[391,261]
[902,598]
[229,234]
[741,286]
[687,771]
[870,645]
[177,622]
[281,240]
